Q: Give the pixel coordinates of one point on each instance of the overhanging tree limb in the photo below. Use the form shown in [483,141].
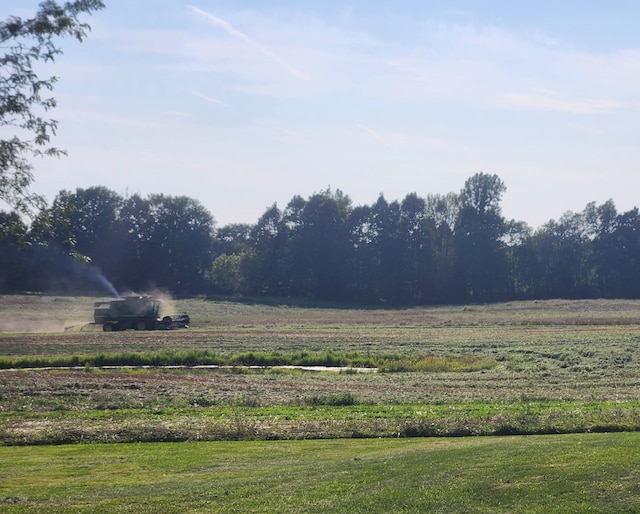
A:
[23,107]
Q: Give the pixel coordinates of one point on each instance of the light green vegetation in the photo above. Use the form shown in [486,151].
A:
[333,416]
[547,474]
[195,358]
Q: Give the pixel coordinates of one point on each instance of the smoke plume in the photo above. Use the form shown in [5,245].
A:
[96,274]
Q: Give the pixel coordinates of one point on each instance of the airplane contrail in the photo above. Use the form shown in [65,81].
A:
[374,135]
[209,99]
[229,29]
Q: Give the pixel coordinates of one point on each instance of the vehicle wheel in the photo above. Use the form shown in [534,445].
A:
[107,327]
[167,321]
[140,325]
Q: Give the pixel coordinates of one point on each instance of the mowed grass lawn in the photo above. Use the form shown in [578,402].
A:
[561,473]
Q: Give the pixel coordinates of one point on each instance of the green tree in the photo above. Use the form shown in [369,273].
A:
[174,247]
[480,263]
[266,267]
[226,274]
[318,241]
[626,239]
[418,235]
[83,221]
[81,234]
[521,259]
[388,246]
[160,241]
[83,225]
[233,239]
[14,251]
[26,42]
[563,250]
[616,252]
[443,210]
[363,261]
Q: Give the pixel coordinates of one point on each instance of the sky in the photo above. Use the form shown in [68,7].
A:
[241,104]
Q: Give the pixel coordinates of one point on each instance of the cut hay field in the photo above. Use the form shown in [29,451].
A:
[516,368]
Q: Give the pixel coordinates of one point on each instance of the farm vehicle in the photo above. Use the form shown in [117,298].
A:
[135,312]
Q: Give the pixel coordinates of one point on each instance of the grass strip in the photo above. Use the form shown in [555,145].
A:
[386,362]
[317,418]
[546,474]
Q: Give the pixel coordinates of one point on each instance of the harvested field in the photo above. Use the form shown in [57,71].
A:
[556,365]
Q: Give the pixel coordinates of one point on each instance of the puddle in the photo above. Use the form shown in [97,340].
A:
[335,369]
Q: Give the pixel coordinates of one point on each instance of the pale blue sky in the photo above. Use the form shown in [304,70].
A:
[241,104]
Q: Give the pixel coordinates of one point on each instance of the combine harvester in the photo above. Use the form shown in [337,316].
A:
[135,312]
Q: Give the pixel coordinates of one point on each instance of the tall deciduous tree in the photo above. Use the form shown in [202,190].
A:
[521,259]
[233,239]
[562,250]
[267,269]
[417,233]
[363,260]
[233,251]
[443,210]
[84,221]
[319,243]
[14,247]
[388,246]
[620,251]
[160,241]
[174,247]
[26,42]
[480,265]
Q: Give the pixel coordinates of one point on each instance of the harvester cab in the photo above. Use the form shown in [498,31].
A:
[135,312]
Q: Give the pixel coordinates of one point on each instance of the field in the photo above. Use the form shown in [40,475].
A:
[517,368]
[522,368]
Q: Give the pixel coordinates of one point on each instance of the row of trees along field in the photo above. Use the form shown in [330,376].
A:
[451,248]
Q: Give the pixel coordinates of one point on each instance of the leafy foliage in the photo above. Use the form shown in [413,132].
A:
[160,241]
[22,104]
[456,248]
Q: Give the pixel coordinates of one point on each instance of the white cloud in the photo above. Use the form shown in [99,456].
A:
[295,138]
[548,100]
[399,139]
[74,116]
[619,71]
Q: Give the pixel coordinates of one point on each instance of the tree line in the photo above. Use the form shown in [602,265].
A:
[453,248]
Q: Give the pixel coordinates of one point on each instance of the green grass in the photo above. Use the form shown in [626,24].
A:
[330,416]
[383,361]
[557,474]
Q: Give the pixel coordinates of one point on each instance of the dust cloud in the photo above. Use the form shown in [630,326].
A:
[168,305]
[18,324]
